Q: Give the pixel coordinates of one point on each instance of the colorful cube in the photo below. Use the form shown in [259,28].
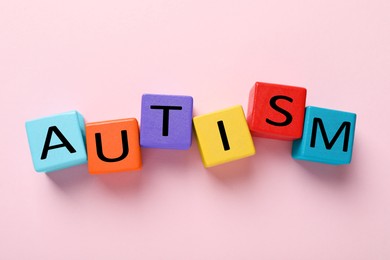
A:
[113,146]
[166,121]
[57,142]
[223,136]
[276,111]
[328,136]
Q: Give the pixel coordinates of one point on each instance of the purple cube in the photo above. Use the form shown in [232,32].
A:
[166,121]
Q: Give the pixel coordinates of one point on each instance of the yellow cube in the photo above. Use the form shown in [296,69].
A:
[223,136]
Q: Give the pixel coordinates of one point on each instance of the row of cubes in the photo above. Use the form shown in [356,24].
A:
[274,111]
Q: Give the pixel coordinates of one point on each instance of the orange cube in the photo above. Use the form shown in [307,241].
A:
[113,146]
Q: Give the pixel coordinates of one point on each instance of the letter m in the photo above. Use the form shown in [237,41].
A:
[317,122]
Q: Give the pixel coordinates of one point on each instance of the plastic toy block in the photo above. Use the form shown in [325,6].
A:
[113,146]
[166,121]
[57,142]
[327,136]
[276,111]
[223,136]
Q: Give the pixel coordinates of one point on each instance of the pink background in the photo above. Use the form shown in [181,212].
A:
[99,57]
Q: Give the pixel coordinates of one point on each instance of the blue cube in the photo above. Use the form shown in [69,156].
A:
[327,137]
[57,142]
[166,121]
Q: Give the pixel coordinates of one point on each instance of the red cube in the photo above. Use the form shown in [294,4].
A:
[276,111]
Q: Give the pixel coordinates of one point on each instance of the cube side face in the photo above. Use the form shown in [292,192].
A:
[113,146]
[166,121]
[328,137]
[69,126]
[210,141]
[276,111]
[82,125]
[251,112]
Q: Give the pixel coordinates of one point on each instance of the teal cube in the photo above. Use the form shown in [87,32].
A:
[57,142]
[327,137]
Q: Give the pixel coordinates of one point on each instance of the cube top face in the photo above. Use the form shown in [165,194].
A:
[223,136]
[328,136]
[57,142]
[166,121]
[276,111]
[113,146]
